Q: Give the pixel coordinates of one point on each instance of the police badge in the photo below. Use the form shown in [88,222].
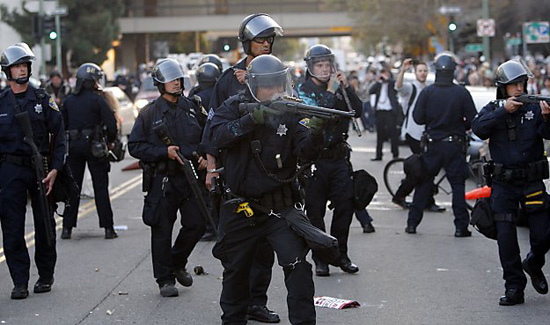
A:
[529,115]
[38,108]
[281,130]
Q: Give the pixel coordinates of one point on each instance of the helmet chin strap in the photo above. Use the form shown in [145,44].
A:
[22,81]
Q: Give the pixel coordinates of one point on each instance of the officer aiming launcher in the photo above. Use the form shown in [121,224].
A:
[294,106]
[161,130]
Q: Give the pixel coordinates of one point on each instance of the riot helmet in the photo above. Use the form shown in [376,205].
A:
[317,54]
[211,58]
[167,70]
[90,76]
[267,78]
[445,61]
[511,72]
[445,64]
[207,75]
[258,25]
[16,54]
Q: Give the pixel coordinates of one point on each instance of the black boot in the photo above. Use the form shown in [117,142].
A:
[110,233]
[20,291]
[43,285]
[512,297]
[262,314]
[66,233]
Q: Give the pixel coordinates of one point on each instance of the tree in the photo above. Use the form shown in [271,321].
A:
[91,26]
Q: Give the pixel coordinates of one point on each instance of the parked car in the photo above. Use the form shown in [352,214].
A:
[125,109]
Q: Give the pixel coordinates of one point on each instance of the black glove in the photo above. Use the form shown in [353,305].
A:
[316,124]
[259,113]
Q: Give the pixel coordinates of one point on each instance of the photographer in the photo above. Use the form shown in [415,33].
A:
[387,112]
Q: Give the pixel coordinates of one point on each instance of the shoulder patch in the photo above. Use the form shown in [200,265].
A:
[304,122]
[52,104]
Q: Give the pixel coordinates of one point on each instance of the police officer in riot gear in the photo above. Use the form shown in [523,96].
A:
[257,34]
[516,132]
[168,191]
[331,179]
[259,151]
[447,110]
[207,74]
[91,128]
[211,58]
[17,175]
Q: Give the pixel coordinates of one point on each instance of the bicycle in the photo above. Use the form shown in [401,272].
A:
[394,174]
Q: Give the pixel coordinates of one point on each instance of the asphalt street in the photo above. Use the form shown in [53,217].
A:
[427,278]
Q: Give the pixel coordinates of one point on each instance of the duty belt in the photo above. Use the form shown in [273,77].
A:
[76,134]
[16,160]
[451,138]
[534,172]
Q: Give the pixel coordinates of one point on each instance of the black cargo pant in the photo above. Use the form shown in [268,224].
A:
[332,181]
[79,156]
[505,199]
[451,157]
[15,182]
[236,249]
[168,195]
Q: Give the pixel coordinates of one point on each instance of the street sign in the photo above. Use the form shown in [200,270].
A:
[474,47]
[486,27]
[449,10]
[514,41]
[536,32]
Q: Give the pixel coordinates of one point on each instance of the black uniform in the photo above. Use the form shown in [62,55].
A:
[87,114]
[447,111]
[227,86]
[512,181]
[169,191]
[17,178]
[247,178]
[331,179]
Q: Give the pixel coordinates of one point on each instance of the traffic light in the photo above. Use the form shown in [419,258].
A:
[452,26]
[227,44]
[48,27]
[36,28]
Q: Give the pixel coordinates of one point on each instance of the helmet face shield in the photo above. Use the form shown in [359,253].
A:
[321,67]
[270,86]
[18,53]
[167,70]
[261,25]
[512,71]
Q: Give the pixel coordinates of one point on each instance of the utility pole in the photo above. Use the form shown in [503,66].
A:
[486,40]
[42,43]
[58,55]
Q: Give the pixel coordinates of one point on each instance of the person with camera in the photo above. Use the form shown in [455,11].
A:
[91,128]
[516,132]
[18,178]
[387,113]
[411,131]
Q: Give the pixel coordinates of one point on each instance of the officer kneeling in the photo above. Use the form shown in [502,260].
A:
[516,132]
[260,150]
[168,190]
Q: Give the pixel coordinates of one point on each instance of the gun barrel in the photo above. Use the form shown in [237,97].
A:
[297,108]
[532,99]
